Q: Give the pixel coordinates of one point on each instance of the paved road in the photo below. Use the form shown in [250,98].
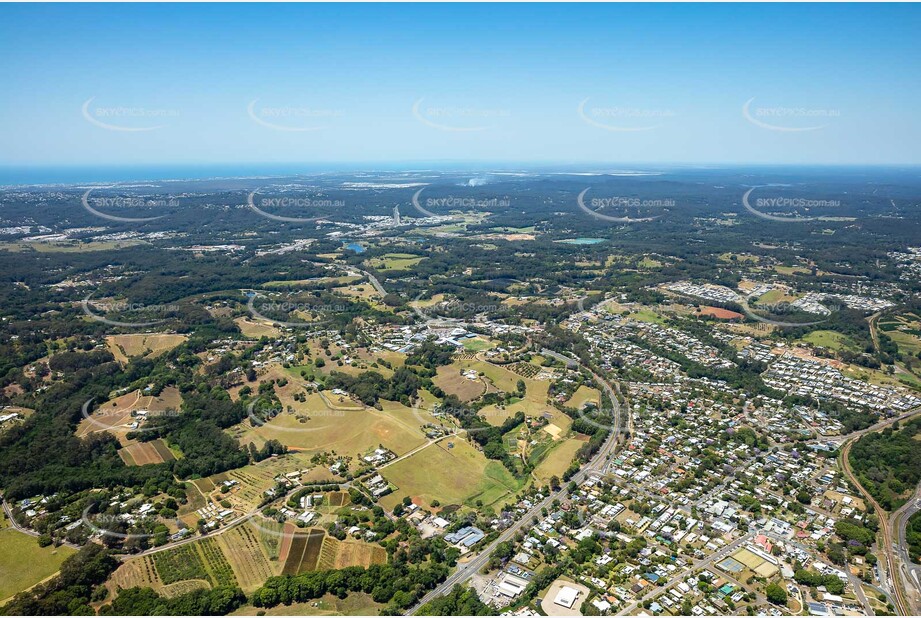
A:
[594,467]
[699,564]
[18,528]
[909,570]
[901,603]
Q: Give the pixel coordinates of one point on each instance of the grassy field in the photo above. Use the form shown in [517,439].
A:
[477,344]
[68,246]
[114,415]
[832,340]
[124,347]
[394,261]
[23,563]
[792,270]
[584,395]
[450,380]
[557,460]
[460,475]
[775,296]
[299,283]
[316,427]
[355,604]
[256,328]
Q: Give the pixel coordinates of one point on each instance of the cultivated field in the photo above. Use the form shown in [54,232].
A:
[202,560]
[141,453]
[336,554]
[255,479]
[300,551]
[460,475]
[247,556]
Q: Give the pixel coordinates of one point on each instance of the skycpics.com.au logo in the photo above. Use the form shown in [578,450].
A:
[122,308]
[291,201]
[623,204]
[458,118]
[444,205]
[293,119]
[775,309]
[134,203]
[623,119]
[120,419]
[288,308]
[788,119]
[785,204]
[260,415]
[127,119]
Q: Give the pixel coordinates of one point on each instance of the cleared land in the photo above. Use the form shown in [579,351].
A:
[584,395]
[256,328]
[23,563]
[124,347]
[247,556]
[116,414]
[394,261]
[320,425]
[557,460]
[450,380]
[832,340]
[460,475]
[141,453]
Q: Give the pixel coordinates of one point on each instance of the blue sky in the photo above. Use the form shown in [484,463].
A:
[105,84]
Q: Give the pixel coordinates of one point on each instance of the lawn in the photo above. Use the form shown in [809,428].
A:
[460,475]
[23,563]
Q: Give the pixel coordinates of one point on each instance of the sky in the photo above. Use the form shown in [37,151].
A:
[511,84]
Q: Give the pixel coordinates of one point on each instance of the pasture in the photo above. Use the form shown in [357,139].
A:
[125,347]
[557,459]
[394,261]
[23,563]
[322,424]
[460,475]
